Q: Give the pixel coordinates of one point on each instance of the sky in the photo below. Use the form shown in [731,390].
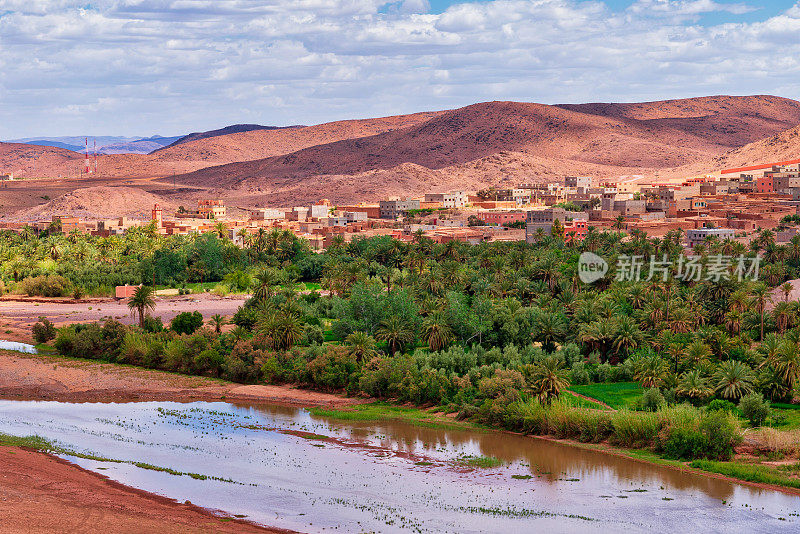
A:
[144,67]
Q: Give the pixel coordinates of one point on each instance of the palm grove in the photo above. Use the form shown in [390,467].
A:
[494,331]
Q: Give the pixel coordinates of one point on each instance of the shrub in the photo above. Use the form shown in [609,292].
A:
[313,334]
[333,369]
[754,408]
[153,324]
[721,405]
[651,400]
[578,375]
[684,444]
[187,322]
[43,331]
[635,429]
[722,433]
[51,285]
[210,362]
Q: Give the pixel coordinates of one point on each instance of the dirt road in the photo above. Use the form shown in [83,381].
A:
[17,316]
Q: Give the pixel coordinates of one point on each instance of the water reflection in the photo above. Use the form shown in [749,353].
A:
[283,467]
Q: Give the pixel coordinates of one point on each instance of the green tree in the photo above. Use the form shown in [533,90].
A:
[142,302]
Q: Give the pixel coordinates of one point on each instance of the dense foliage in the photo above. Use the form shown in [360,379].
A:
[489,331]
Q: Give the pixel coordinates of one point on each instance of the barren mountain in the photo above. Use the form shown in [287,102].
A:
[234,128]
[258,144]
[537,141]
[94,202]
[24,159]
[204,150]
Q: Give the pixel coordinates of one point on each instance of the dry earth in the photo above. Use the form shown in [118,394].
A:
[492,143]
[43,494]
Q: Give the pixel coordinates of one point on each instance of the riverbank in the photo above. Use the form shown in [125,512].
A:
[46,377]
[750,473]
[42,493]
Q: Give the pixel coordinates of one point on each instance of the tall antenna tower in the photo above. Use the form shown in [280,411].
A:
[86,163]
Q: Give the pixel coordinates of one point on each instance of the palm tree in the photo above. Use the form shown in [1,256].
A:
[436,332]
[396,333]
[280,330]
[696,353]
[761,299]
[650,371]
[141,302]
[361,345]
[218,321]
[627,336]
[786,289]
[619,223]
[264,283]
[733,379]
[548,379]
[784,315]
[694,386]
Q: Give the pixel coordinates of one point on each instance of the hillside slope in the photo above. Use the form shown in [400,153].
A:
[605,138]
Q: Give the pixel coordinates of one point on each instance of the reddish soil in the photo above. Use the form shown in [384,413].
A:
[18,312]
[41,493]
[28,376]
[493,143]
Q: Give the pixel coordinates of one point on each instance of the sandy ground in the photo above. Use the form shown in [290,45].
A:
[41,493]
[17,314]
[28,376]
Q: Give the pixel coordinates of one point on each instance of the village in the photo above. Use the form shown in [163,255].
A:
[732,204]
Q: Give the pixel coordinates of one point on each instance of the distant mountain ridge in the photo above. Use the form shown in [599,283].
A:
[234,128]
[484,144]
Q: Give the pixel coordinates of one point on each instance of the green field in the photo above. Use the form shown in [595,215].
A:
[616,395]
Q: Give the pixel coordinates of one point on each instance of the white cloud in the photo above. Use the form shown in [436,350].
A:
[185,65]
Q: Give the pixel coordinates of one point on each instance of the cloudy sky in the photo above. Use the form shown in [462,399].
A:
[140,67]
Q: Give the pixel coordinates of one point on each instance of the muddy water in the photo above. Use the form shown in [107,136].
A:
[283,467]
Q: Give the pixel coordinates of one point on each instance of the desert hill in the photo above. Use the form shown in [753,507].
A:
[204,151]
[23,159]
[234,128]
[603,138]
[103,201]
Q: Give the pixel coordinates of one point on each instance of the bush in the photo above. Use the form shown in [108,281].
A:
[651,400]
[722,433]
[187,322]
[721,405]
[333,369]
[313,334]
[578,375]
[43,331]
[153,324]
[51,285]
[754,408]
[684,444]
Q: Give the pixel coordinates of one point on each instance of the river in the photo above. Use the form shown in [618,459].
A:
[284,467]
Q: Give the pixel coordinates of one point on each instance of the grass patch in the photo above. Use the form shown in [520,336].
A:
[579,402]
[616,394]
[480,462]
[30,442]
[789,417]
[749,472]
[381,411]
[40,444]
[522,477]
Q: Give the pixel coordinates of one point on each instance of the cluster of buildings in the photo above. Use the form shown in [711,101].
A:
[730,205]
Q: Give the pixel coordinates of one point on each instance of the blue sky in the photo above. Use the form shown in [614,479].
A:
[140,67]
